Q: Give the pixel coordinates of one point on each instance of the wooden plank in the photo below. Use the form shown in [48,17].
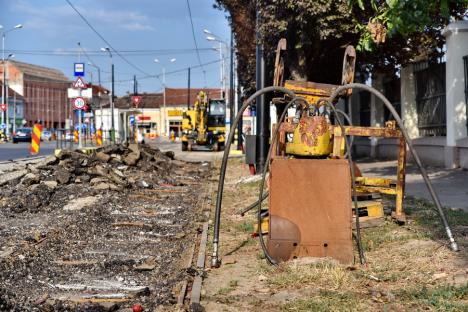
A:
[197,283]
[196,291]
[202,250]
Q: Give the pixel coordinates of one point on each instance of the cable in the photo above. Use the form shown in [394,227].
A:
[219,198]
[253,205]
[262,181]
[329,103]
[99,53]
[195,40]
[105,41]
[422,170]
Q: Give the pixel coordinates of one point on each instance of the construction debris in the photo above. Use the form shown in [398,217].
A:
[100,231]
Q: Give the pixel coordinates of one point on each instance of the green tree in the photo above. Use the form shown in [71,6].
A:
[387,33]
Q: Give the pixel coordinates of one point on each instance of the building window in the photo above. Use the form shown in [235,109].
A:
[393,94]
[430,98]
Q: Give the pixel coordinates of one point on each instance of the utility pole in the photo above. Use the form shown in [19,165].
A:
[99,96]
[164,94]
[262,111]
[164,99]
[112,106]
[240,124]
[99,92]
[111,98]
[231,86]
[5,85]
[188,89]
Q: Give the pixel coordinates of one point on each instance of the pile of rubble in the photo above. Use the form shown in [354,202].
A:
[43,186]
[100,232]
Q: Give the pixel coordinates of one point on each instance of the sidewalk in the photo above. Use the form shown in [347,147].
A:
[450,184]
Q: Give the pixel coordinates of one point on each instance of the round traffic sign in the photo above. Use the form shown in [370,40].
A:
[79,103]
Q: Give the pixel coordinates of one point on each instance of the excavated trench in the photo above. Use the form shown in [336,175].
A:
[100,232]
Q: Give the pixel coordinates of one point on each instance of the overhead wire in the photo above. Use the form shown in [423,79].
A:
[105,41]
[195,41]
[99,53]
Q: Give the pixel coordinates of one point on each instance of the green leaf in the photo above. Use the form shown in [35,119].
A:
[444,8]
[361,4]
[392,3]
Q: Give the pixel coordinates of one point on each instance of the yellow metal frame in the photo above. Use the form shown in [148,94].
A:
[364,184]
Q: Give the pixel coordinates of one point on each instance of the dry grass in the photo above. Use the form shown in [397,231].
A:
[409,268]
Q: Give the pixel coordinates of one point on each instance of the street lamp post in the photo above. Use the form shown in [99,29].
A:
[163,120]
[212,37]
[112,131]
[4,87]
[99,92]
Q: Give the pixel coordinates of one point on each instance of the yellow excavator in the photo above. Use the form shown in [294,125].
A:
[204,124]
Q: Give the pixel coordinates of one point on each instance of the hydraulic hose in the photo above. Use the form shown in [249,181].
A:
[328,102]
[253,205]
[262,181]
[219,198]
[422,170]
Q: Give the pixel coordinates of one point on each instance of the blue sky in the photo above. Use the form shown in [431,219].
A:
[153,28]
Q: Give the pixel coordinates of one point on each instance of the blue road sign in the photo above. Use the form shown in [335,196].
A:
[2,126]
[79,69]
[132,120]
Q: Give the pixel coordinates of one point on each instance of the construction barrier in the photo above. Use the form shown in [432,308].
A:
[36,139]
[99,137]
[151,136]
[76,136]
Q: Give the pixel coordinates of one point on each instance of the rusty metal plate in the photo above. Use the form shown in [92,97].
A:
[310,213]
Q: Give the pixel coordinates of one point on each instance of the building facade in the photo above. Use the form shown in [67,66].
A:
[157,114]
[432,101]
[44,91]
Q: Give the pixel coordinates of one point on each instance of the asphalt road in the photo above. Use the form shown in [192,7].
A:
[10,151]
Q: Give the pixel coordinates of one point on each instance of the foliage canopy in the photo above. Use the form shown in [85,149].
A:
[386,33]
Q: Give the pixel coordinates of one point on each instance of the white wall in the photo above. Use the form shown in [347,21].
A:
[457,47]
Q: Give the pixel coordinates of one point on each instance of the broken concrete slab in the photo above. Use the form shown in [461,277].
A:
[62,176]
[102,156]
[50,184]
[80,203]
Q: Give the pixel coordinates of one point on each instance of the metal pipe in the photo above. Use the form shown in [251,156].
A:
[262,181]
[253,205]
[262,113]
[219,198]
[231,80]
[422,170]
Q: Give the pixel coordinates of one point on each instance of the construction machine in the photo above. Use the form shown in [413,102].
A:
[314,188]
[204,124]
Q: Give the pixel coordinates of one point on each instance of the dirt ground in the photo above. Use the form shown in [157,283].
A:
[409,267]
[100,232]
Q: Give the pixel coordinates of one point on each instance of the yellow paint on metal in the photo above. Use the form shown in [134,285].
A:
[311,137]
[312,95]
[265,223]
[374,207]
[370,181]
[376,189]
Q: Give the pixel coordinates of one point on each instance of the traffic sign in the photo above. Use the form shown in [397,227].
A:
[86,93]
[79,69]
[3,107]
[2,126]
[79,103]
[132,119]
[136,99]
[79,83]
